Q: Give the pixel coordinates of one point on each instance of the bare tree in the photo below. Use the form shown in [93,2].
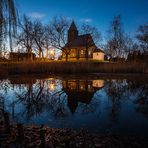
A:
[39,37]
[92,37]
[93,31]
[128,46]
[47,42]
[142,36]
[3,50]
[25,37]
[116,42]
[33,36]
[57,30]
[8,20]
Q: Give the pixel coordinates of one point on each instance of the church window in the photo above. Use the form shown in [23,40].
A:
[89,52]
[82,52]
[73,53]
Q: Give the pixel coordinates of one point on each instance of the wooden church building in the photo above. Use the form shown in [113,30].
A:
[80,46]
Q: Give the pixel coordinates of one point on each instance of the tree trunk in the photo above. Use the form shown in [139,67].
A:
[86,55]
[42,55]
[39,54]
[77,54]
[47,53]
[66,57]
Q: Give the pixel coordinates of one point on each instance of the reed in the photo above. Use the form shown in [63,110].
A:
[72,67]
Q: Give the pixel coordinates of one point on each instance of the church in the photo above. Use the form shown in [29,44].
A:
[80,47]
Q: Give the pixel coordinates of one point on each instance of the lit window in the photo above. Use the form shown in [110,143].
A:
[52,87]
[73,52]
[82,52]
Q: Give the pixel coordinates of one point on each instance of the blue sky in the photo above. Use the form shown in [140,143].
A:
[98,13]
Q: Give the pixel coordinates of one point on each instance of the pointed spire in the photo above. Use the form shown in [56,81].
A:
[72,32]
[73,26]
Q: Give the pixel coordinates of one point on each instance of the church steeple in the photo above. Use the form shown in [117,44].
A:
[72,32]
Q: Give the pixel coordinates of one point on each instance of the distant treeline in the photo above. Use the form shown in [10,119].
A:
[40,39]
[37,37]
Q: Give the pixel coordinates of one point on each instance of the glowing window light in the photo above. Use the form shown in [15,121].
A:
[51,52]
[81,87]
[52,87]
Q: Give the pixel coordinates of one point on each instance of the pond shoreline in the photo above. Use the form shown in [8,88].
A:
[79,75]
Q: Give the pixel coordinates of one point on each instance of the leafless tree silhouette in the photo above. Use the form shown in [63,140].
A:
[118,44]
[142,36]
[92,38]
[24,38]
[57,30]
[8,20]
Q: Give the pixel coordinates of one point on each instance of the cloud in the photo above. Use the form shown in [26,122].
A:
[37,15]
[86,20]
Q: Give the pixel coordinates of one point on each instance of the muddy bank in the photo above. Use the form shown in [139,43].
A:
[33,136]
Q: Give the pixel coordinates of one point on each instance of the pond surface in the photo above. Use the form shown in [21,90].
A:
[97,104]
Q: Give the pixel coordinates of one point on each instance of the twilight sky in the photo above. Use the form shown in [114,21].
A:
[98,13]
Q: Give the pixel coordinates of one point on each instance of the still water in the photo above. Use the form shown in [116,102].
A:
[97,104]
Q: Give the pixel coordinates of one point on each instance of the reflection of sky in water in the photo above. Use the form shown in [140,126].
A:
[112,106]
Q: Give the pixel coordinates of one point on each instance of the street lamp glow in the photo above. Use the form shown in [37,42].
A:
[51,52]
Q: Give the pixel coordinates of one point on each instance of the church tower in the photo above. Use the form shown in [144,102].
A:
[72,32]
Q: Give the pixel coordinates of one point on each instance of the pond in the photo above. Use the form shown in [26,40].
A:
[98,104]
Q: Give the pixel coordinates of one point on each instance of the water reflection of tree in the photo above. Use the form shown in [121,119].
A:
[2,104]
[57,104]
[92,107]
[45,95]
[38,97]
[4,86]
[32,99]
[115,90]
[140,89]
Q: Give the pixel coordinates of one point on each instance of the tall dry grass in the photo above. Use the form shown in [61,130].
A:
[72,67]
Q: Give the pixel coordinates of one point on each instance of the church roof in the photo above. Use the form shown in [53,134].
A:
[75,97]
[81,41]
[73,26]
[98,50]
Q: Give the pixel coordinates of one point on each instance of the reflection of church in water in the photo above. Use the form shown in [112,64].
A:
[80,91]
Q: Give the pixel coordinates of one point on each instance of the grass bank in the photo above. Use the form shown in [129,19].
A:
[14,68]
[35,136]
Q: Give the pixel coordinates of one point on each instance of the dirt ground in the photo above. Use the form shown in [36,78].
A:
[32,136]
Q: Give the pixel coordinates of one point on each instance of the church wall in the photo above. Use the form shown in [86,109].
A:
[73,53]
[79,53]
[98,56]
[82,53]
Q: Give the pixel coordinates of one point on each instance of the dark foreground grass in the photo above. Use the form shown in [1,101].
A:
[45,137]
[14,68]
